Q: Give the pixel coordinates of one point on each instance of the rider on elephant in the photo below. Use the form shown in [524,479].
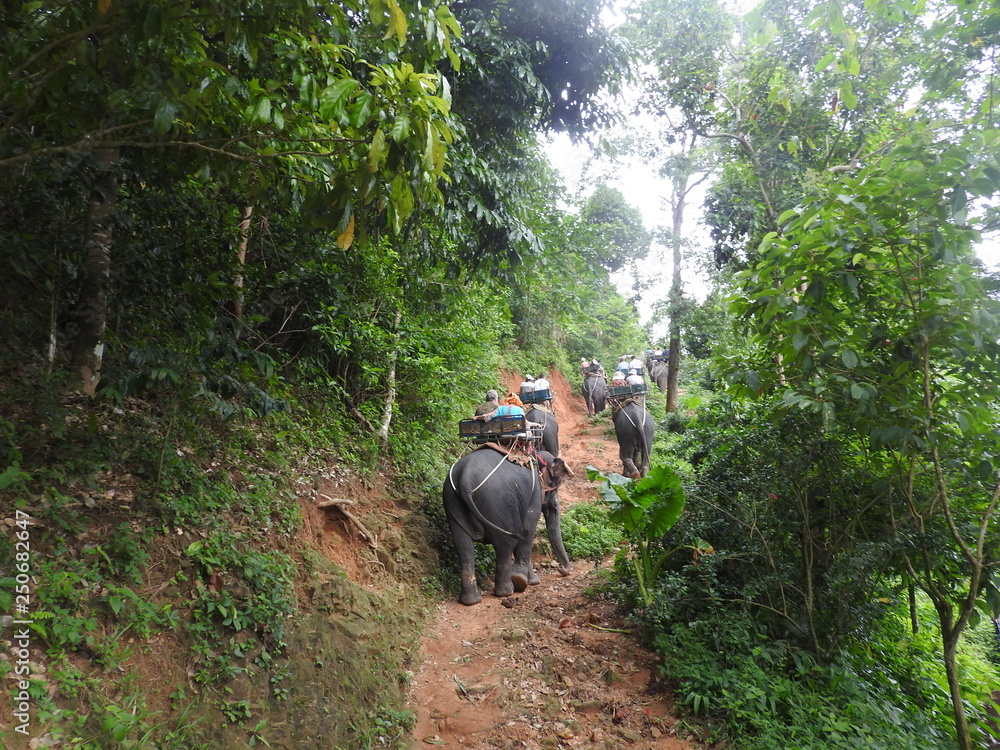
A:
[542,384]
[528,385]
[492,408]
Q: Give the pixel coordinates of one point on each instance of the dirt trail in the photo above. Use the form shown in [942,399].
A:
[548,668]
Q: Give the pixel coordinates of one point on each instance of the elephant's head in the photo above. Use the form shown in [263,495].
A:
[554,471]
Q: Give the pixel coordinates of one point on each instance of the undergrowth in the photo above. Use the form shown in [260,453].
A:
[156,522]
[746,652]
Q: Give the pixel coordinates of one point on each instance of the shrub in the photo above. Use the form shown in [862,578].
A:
[588,533]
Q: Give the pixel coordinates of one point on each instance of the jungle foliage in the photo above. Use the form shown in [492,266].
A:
[858,166]
[272,240]
[245,246]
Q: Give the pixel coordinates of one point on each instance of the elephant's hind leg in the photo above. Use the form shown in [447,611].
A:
[522,574]
[466,549]
[504,583]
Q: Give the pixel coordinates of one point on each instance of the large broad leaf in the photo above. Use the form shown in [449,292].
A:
[650,506]
[663,484]
[612,489]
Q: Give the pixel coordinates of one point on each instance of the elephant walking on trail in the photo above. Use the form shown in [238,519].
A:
[488,498]
[658,373]
[550,427]
[635,429]
[594,393]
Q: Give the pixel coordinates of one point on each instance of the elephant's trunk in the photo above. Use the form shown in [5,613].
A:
[553,529]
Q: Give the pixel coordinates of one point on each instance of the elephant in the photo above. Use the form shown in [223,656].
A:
[550,427]
[594,393]
[635,428]
[488,498]
[658,373]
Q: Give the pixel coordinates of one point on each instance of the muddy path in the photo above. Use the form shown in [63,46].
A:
[549,668]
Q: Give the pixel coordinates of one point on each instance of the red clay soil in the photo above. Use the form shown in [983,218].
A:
[549,668]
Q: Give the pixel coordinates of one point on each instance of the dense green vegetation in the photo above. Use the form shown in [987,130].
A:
[258,251]
[250,251]
[847,477]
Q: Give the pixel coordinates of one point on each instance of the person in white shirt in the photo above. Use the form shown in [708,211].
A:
[636,364]
[528,385]
[542,384]
[634,378]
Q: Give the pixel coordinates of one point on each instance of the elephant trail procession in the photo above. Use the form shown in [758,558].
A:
[543,666]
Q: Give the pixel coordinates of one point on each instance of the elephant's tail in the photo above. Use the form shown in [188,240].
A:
[470,501]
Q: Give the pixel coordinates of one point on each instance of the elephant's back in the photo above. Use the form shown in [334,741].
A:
[633,413]
[474,470]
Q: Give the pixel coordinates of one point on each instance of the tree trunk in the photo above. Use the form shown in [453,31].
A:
[962,734]
[682,182]
[241,260]
[92,309]
[390,396]
[678,200]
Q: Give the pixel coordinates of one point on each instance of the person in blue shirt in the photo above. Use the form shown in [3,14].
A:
[492,408]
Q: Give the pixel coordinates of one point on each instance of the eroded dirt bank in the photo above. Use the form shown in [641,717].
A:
[548,668]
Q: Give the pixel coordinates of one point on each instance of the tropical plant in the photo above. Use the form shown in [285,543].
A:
[646,509]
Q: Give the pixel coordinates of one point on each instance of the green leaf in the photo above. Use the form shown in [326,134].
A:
[13,474]
[847,95]
[262,111]
[985,470]
[376,150]
[397,22]
[826,61]
[400,129]
[361,110]
[163,119]
[850,359]
[333,98]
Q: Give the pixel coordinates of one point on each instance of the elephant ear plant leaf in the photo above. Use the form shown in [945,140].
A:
[646,509]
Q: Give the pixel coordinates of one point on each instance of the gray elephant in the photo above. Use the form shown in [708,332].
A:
[488,498]
[550,427]
[594,393]
[635,429]
[658,373]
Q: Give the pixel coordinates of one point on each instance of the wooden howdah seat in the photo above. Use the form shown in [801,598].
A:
[621,392]
[498,430]
[537,397]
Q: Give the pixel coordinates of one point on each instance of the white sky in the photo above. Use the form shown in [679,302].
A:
[646,191]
